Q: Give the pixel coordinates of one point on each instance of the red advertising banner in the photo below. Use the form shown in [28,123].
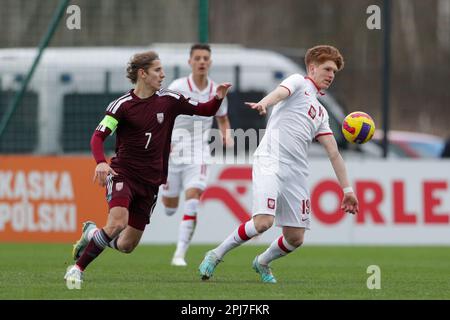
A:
[46,199]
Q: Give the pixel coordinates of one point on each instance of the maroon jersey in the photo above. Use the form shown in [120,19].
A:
[144,132]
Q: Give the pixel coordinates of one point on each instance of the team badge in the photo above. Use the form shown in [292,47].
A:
[160,117]
[119,186]
[271,203]
[312,112]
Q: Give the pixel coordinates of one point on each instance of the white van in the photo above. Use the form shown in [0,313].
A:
[67,72]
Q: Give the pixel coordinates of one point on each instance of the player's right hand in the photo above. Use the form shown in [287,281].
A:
[101,172]
[262,109]
[222,90]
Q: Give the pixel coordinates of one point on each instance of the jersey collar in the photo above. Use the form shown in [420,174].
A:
[193,87]
[315,86]
[136,98]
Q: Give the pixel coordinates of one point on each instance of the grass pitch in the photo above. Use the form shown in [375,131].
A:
[35,271]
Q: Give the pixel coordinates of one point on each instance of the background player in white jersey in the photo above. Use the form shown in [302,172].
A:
[280,165]
[190,153]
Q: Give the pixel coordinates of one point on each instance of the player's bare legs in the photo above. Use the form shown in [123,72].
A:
[294,236]
[291,239]
[257,225]
[170,205]
[263,222]
[187,225]
[127,240]
[117,221]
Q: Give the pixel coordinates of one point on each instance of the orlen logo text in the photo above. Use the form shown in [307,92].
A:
[372,196]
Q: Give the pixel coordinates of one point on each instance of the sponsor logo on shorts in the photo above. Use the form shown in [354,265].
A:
[271,203]
[119,186]
[305,219]
[160,117]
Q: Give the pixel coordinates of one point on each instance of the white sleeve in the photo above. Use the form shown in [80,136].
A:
[223,110]
[293,83]
[174,85]
[324,128]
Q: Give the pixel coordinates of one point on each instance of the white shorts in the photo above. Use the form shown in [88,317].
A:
[281,191]
[184,176]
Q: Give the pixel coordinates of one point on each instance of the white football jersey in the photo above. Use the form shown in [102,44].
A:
[197,126]
[294,123]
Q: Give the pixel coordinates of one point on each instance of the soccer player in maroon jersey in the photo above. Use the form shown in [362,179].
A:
[143,120]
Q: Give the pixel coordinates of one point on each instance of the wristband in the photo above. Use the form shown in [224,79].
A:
[348,189]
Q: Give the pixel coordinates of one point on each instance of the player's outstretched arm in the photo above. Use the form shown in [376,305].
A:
[209,108]
[349,202]
[280,93]
[222,90]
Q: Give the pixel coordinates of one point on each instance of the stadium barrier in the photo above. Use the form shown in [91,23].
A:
[45,199]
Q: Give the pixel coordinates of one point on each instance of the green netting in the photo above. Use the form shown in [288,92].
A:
[21,135]
[82,114]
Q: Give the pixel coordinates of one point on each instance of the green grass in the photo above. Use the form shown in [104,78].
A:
[35,271]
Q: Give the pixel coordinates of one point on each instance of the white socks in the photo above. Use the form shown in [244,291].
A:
[277,249]
[187,227]
[244,232]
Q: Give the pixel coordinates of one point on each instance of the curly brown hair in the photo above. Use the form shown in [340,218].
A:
[140,61]
[321,53]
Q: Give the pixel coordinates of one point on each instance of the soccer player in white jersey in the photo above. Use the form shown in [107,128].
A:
[186,172]
[280,167]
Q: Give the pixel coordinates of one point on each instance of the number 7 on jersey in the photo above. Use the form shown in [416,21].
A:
[149,134]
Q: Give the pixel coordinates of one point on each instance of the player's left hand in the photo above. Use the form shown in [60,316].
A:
[222,90]
[262,109]
[350,203]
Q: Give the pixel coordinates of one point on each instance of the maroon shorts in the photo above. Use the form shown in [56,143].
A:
[139,199]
